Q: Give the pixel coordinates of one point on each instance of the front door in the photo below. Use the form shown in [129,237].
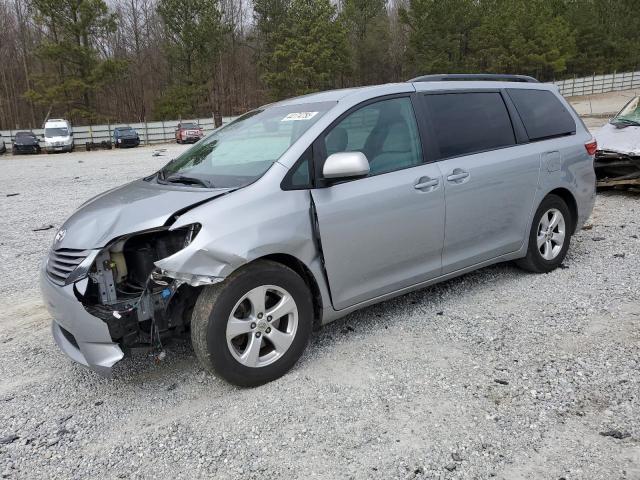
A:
[384,232]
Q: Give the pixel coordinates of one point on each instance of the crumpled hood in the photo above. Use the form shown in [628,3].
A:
[134,207]
[623,140]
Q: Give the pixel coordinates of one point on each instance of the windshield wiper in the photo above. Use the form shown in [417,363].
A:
[189,181]
[626,121]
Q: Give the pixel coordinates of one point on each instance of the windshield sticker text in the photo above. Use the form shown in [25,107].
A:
[292,117]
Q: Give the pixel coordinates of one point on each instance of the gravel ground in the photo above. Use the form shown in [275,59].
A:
[497,374]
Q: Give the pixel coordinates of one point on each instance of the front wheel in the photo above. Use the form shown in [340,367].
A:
[549,236]
[252,328]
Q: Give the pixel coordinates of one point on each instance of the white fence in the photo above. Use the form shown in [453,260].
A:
[612,82]
[149,132]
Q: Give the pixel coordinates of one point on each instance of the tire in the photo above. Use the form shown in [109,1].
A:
[555,242]
[232,358]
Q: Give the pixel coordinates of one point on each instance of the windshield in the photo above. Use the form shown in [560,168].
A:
[25,135]
[242,151]
[189,125]
[125,130]
[56,132]
[630,113]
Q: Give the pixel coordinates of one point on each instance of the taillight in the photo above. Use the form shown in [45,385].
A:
[591,146]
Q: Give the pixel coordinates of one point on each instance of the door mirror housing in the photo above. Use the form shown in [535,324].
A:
[345,165]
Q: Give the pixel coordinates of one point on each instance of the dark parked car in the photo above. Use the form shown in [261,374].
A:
[125,137]
[3,147]
[26,142]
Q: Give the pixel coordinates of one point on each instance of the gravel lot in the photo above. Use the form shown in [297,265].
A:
[498,374]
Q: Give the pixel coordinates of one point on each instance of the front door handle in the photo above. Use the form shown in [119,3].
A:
[457,175]
[424,183]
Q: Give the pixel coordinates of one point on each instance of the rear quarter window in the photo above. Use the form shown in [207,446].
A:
[542,113]
[469,122]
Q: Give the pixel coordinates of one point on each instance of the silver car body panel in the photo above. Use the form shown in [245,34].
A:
[91,344]
[134,207]
[425,236]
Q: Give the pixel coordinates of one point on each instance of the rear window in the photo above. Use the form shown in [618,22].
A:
[542,113]
[470,122]
[189,125]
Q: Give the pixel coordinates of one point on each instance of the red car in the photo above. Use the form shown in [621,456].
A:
[188,132]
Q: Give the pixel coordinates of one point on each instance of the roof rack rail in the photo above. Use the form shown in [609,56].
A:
[478,77]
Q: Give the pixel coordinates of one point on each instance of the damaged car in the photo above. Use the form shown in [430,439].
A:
[617,161]
[302,211]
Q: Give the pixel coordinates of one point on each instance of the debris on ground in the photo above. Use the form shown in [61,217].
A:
[617,434]
[43,229]
[8,439]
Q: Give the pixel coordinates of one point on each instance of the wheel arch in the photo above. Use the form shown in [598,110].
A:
[571,202]
[301,269]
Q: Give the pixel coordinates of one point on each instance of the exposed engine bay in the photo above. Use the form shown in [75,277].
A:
[139,304]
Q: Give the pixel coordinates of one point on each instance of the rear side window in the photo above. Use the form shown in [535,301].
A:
[469,122]
[542,113]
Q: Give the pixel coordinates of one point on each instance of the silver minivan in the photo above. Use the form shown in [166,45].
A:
[302,211]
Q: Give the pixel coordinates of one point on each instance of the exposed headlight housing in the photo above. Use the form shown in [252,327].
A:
[190,279]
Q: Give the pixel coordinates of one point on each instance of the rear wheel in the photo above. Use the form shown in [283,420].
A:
[252,328]
[549,237]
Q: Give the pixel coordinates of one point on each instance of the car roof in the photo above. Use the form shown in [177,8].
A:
[481,84]
[373,91]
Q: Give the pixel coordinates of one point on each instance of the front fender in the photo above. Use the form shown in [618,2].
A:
[253,222]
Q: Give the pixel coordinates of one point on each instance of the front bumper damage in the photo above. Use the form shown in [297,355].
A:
[107,301]
[615,168]
[83,337]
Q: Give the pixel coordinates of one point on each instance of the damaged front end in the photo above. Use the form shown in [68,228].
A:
[617,168]
[121,288]
[617,160]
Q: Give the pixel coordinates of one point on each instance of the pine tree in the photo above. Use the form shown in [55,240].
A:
[73,31]
[306,47]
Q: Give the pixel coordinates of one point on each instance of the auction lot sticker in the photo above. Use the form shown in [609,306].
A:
[292,117]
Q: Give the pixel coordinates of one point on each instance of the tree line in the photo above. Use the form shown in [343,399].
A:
[133,60]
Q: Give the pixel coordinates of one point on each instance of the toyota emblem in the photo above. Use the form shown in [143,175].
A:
[60,235]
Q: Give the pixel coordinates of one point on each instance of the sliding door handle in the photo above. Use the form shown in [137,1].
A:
[457,175]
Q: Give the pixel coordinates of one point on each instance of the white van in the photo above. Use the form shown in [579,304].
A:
[58,136]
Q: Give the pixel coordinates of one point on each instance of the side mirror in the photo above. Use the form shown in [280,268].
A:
[346,165]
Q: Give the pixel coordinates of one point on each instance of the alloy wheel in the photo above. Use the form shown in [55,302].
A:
[262,326]
[551,234]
